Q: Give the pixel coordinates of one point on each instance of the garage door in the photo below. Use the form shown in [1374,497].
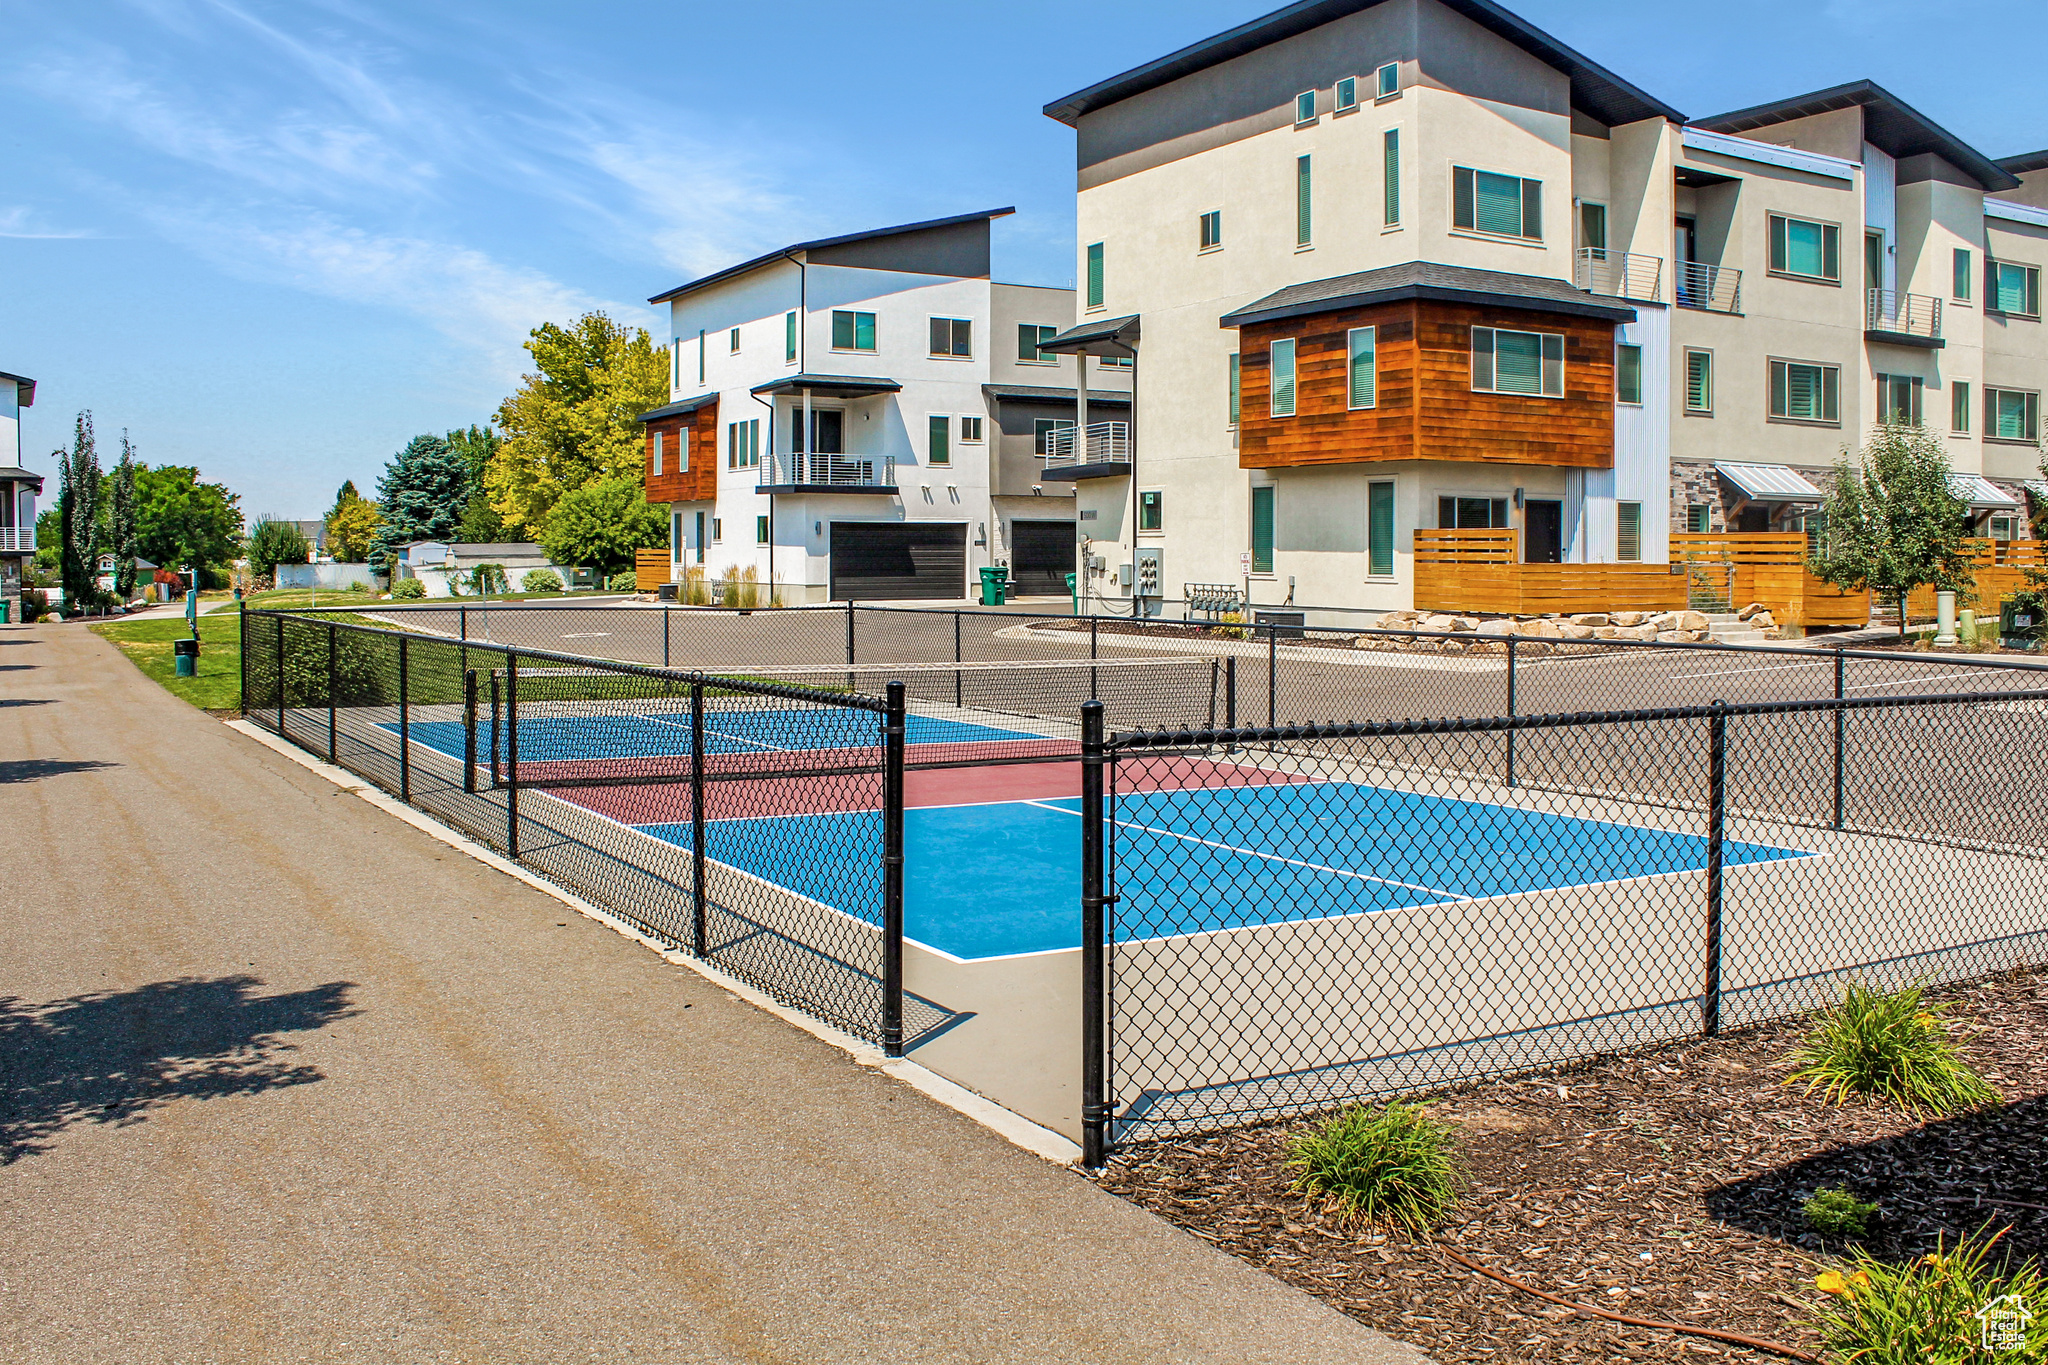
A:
[894,560]
[1041,556]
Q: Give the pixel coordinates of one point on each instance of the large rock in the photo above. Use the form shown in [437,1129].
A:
[1751,610]
[1499,625]
[1538,629]
[1674,637]
[1464,623]
[1642,632]
[1689,620]
[1437,623]
[1763,620]
[1590,618]
[1627,618]
[1573,630]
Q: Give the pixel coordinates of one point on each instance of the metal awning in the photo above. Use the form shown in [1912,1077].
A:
[830,385]
[688,405]
[1979,491]
[1769,482]
[1107,336]
[2037,489]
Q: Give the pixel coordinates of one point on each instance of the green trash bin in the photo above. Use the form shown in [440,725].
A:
[992,585]
[1074,593]
[187,655]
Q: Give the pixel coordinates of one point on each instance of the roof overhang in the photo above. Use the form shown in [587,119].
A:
[16,474]
[1289,303]
[2011,212]
[1595,89]
[2037,489]
[1763,153]
[1979,491]
[2023,163]
[1046,393]
[24,388]
[1889,124]
[1769,482]
[682,409]
[1104,337]
[787,252]
[829,386]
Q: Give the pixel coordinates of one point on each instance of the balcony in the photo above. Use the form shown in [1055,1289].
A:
[1102,451]
[827,472]
[1711,288]
[1619,274]
[17,539]
[1903,319]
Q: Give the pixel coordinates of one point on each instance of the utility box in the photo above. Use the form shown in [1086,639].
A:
[1150,573]
[2019,627]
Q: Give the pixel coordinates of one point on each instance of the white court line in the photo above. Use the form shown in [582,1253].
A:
[1733,672]
[757,743]
[1273,857]
[1902,682]
[590,635]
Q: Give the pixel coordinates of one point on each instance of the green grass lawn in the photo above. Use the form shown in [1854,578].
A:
[148,644]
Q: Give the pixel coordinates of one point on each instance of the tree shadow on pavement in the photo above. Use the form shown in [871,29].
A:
[35,769]
[112,1056]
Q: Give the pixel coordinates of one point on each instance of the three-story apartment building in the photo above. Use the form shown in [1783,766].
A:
[869,416]
[1391,265]
[18,490]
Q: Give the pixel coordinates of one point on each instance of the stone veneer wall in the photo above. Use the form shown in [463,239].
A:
[1694,482]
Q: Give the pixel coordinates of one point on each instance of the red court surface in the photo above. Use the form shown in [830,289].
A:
[666,802]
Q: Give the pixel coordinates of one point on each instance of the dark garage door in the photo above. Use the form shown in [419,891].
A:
[877,561]
[1041,556]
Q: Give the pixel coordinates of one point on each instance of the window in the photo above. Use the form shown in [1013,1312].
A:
[1364,368]
[1959,406]
[1517,362]
[2011,415]
[761,530]
[1389,80]
[675,537]
[1803,392]
[853,331]
[1628,532]
[1044,427]
[937,449]
[1628,374]
[1379,529]
[970,429]
[1212,230]
[1235,389]
[700,359]
[2004,528]
[698,554]
[1390,170]
[788,337]
[1281,356]
[1347,94]
[1304,206]
[743,444]
[675,368]
[1114,362]
[1699,518]
[1503,205]
[1699,382]
[733,345]
[1898,400]
[1873,260]
[828,430]
[1151,509]
[657,451]
[1305,107]
[1262,529]
[1032,335]
[2010,288]
[717,529]
[1472,514]
[1593,229]
[1095,275]
[1799,247]
[1962,273]
[952,336]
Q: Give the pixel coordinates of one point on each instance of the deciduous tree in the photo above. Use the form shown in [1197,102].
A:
[481,523]
[121,522]
[1892,522]
[274,541]
[600,525]
[182,523]
[78,508]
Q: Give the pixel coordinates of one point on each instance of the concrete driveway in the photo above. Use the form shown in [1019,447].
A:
[282,1078]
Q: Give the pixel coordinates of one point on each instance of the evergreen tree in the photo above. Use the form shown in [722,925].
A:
[78,507]
[121,522]
[421,495]
[343,496]
[481,524]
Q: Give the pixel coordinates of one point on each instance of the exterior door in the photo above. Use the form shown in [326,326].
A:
[1543,532]
[1041,557]
[880,561]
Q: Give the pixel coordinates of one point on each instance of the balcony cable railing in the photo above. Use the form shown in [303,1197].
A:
[1916,315]
[1619,274]
[1715,288]
[1104,443]
[827,469]
[17,538]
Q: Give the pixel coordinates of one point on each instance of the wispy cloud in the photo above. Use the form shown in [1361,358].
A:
[21,221]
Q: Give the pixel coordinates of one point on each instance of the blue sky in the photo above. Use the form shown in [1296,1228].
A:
[276,239]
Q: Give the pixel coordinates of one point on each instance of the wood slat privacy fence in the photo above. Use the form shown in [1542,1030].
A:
[651,569]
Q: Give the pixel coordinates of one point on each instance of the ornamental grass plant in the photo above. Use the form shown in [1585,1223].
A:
[1888,1047]
[1394,1166]
[1954,1306]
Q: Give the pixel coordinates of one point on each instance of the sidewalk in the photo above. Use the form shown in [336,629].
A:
[282,1078]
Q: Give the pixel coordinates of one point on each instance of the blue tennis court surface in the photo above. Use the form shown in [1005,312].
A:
[769,730]
[1003,878]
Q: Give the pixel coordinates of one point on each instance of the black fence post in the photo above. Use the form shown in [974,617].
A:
[1094,943]
[496,721]
[469,730]
[957,675]
[698,945]
[1094,644]
[1717,812]
[849,635]
[1842,725]
[404,729]
[664,637]
[1230,700]
[512,753]
[242,647]
[333,713]
[1272,676]
[1511,709]
[280,677]
[892,873]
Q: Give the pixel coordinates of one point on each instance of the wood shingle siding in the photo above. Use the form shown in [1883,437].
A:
[694,432]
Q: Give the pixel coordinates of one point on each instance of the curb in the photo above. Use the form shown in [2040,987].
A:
[1004,1123]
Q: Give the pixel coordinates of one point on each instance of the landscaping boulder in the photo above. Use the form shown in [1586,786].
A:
[1627,618]
[1590,618]
[1763,620]
[1751,610]
[1499,625]
[1574,630]
[1437,623]
[1690,620]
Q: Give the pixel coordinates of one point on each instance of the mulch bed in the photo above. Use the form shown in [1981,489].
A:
[1663,1185]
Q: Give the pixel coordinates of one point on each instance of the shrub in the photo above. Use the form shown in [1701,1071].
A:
[1838,1213]
[486,579]
[1394,1166]
[408,589]
[358,587]
[1232,627]
[624,581]
[1927,1309]
[695,589]
[540,580]
[1888,1047]
[34,603]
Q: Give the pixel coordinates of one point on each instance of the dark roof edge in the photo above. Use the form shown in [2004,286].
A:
[1435,293]
[782,252]
[26,399]
[1308,14]
[702,400]
[1990,174]
[1053,393]
[2024,162]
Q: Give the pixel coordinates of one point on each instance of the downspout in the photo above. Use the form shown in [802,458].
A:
[1137,601]
[803,341]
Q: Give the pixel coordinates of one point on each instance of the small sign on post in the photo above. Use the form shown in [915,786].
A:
[1244,563]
